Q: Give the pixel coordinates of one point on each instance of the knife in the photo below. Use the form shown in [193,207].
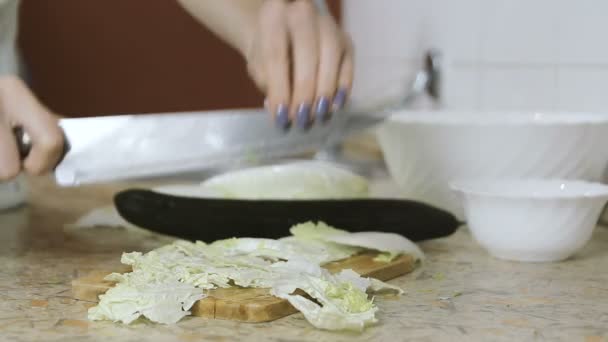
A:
[121,147]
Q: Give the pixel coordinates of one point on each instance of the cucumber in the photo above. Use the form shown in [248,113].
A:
[210,219]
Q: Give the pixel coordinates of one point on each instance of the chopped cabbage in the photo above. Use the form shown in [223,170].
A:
[165,300]
[165,283]
[391,243]
[386,257]
[341,305]
[312,231]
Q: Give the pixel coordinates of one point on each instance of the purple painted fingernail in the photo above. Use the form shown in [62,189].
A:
[340,99]
[303,116]
[282,117]
[322,110]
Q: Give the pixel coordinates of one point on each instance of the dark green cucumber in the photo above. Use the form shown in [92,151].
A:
[209,219]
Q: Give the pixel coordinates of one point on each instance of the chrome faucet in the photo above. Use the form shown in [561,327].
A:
[427,80]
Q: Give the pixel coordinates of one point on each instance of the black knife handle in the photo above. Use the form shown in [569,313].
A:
[24,143]
[210,219]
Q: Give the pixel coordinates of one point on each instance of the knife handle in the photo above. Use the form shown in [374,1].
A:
[24,143]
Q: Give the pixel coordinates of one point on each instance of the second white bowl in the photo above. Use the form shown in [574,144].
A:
[532,220]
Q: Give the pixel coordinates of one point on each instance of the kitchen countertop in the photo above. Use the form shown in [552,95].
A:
[460,293]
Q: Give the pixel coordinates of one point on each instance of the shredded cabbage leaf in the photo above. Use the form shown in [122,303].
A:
[386,257]
[165,283]
[392,244]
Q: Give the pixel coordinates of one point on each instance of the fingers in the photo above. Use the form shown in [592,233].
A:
[10,165]
[47,144]
[345,76]
[304,33]
[302,61]
[275,56]
[331,50]
[20,107]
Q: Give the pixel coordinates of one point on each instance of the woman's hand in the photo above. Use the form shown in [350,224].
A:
[19,107]
[295,53]
[301,59]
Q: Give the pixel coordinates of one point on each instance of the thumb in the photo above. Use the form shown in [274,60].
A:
[21,108]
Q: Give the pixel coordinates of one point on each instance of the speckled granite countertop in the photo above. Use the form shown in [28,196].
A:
[458,294]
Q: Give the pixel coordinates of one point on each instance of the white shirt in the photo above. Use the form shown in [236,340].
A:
[14,192]
[9,56]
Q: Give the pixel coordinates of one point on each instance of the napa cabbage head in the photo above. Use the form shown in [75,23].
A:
[296,180]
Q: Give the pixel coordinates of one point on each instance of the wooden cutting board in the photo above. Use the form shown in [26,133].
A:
[247,304]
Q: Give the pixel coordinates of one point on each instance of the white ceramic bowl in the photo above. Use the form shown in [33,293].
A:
[532,220]
[425,150]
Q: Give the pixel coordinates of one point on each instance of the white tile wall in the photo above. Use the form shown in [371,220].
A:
[519,31]
[500,54]
[455,26]
[460,86]
[379,79]
[513,88]
[582,89]
[582,32]
[387,27]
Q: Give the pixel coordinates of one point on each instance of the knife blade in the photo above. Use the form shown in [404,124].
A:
[121,147]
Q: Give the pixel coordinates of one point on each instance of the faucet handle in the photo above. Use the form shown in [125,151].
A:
[432,66]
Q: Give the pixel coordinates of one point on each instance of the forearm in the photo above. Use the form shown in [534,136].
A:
[231,20]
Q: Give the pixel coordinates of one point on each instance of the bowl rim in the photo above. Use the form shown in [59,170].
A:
[475,187]
[497,118]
